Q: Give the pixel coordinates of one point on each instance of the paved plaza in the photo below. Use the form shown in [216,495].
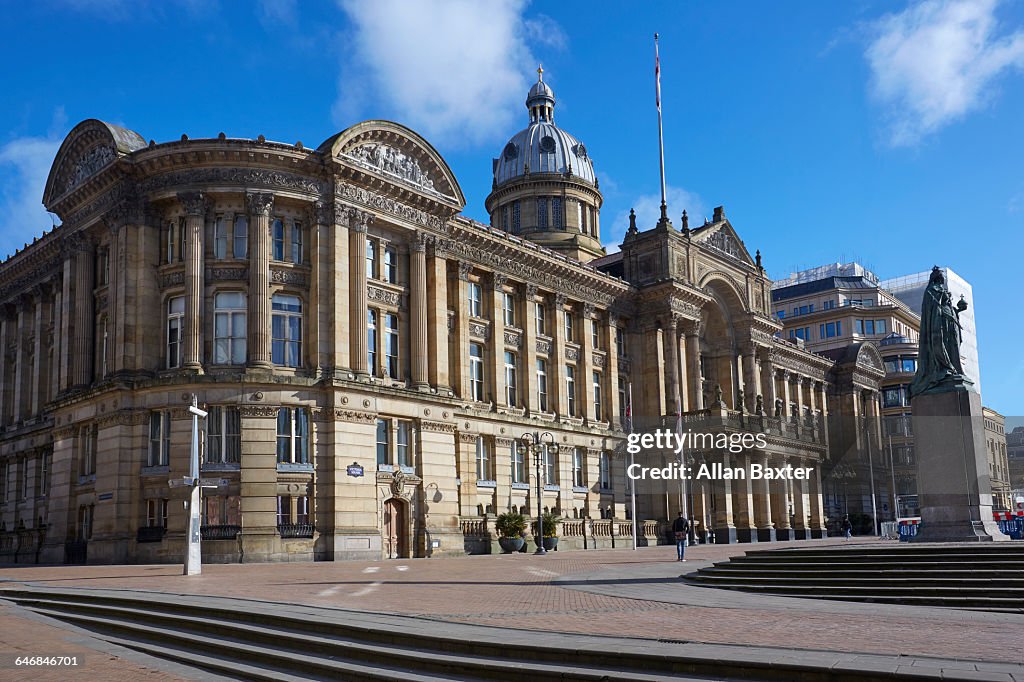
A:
[614,593]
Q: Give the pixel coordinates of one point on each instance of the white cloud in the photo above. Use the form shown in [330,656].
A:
[454,70]
[936,61]
[648,211]
[24,165]
[272,13]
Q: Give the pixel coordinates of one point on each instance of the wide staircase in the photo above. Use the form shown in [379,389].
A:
[980,576]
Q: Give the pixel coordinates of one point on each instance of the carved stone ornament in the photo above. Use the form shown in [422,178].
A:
[543,346]
[88,165]
[481,331]
[287,276]
[260,203]
[227,274]
[512,338]
[599,359]
[355,416]
[244,177]
[464,270]
[572,354]
[588,310]
[418,244]
[255,411]
[171,279]
[398,482]
[499,281]
[194,203]
[437,427]
[384,204]
[374,293]
[391,161]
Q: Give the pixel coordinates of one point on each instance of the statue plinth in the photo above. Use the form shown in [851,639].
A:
[954,488]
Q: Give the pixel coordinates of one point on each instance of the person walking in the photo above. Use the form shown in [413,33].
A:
[847,526]
[681,527]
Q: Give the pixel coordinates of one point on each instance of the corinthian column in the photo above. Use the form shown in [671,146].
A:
[195,213]
[260,205]
[358,222]
[418,311]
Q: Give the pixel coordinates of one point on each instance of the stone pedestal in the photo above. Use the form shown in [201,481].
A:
[952,469]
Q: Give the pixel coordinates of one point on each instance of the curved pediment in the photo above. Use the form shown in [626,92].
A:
[90,147]
[396,154]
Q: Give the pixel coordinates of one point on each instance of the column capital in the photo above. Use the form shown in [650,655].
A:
[259,203]
[531,289]
[465,268]
[560,299]
[77,242]
[691,327]
[320,212]
[130,210]
[195,203]
[499,281]
[355,219]
[418,244]
[588,310]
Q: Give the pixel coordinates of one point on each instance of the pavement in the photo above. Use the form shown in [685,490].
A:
[618,593]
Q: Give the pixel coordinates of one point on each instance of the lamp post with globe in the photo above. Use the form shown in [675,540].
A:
[537,443]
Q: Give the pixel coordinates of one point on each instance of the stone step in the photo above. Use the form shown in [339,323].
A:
[957,584]
[902,595]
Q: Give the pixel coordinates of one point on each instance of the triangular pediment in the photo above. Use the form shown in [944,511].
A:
[722,238]
[396,154]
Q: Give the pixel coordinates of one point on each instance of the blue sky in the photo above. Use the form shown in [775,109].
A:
[886,132]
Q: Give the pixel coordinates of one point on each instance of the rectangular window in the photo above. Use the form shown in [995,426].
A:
[880,326]
[568,327]
[229,328]
[858,326]
[579,467]
[540,316]
[516,227]
[224,439]
[156,513]
[43,484]
[240,237]
[869,326]
[24,478]
[89,442]
[297,243]
[5,470]
[284,510]
[402,440]
[508,308]
[542,385]
[286,330]
[908,365]
[475,300]
[781,314]
[391,265]
[391,345]
[220,238]
[159,439]
[570,390]
[383,442]
[170,243]
[371,259]
[292,435]
[483,460]
[597,395]
[518,465]
[620,341]
[556,213]
[829,305]
[476,372]
[277,239]
[829,330]
[542,212]
[371,342]
[623,399]
[550,467]
[605,472]
[595,335]
[511,389]
[222,510]
[175,330]
[581,217]
[85,522]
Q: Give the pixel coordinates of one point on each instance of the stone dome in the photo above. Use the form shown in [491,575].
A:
[542,147]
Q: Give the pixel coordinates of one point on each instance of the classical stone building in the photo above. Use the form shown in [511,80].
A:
[370,358]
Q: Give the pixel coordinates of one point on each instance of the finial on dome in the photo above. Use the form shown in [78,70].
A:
[540,73]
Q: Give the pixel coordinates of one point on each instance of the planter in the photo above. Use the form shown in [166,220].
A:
[509,545]
[550,543]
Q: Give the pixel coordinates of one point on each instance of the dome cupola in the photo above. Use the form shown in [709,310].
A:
[544,184]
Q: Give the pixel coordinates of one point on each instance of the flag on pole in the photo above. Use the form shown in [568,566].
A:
[657,74]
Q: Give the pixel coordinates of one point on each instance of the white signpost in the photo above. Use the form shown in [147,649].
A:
[194,556]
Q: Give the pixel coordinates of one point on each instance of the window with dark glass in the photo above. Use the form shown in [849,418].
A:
[286,330]
[220,238]
[511,389]
[570,390]
[159,438]
[224,440]
[391,344]
[292,435]
[297,243]
[383,441]
[391,265]
[542,385]
[240,237]
[277,239]
[371,342]
[175,329]
[476,372]
[229,328]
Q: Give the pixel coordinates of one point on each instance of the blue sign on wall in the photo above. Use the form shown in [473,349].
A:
[354,469]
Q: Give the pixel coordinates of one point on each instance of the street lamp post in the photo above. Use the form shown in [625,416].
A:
[535,443]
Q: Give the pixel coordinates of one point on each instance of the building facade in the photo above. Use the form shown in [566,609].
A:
[1015,457]
[371,359]
[998,461]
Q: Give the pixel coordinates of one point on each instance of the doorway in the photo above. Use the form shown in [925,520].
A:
[395,533]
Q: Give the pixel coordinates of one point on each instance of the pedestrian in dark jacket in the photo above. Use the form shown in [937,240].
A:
[847,527]
[681,528]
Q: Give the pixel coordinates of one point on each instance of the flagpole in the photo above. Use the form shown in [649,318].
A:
[661,136]
[632,485]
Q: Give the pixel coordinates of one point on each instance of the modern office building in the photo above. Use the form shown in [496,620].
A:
[371,360]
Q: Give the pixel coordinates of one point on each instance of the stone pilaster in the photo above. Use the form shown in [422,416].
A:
[22,372]
[762,502]
[497,363]
[612,372]
[694,389]
[528,375]
[585,366]
[418,313]
[556,367]
[260,206]
[767,383]
[671,345]
[195,205]
[461,356]
[750,387]
[359,222]
[339,294]
[82,346]
[437,323]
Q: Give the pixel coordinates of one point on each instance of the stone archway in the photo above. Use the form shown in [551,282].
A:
[719,341]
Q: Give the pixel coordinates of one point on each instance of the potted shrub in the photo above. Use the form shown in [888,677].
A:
[550,522]
[510,529]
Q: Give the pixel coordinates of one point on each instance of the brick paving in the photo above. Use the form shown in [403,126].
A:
[609,592]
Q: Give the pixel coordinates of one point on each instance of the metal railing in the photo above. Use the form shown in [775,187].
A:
[219,532]
[296,530]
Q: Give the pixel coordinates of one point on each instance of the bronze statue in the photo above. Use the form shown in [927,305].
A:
[938,359]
